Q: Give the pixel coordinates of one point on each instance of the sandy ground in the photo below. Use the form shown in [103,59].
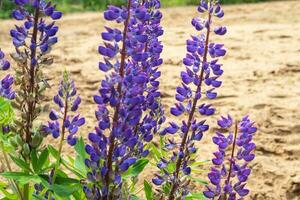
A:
[262,74]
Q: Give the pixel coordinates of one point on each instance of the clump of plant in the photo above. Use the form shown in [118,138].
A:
[129,114]
[34,174]
[199,80]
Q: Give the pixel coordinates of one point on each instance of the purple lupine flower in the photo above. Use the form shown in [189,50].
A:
[33,37]
[67,101]
[200,79]
[129,111]
[6,90]
[228,176]
[4,63]
[6,83]
[34,26]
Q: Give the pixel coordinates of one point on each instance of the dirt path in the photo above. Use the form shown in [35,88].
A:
[262,74]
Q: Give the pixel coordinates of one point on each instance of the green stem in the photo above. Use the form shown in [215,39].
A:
[175,184]
[62,138]
[26,192]
[13,183]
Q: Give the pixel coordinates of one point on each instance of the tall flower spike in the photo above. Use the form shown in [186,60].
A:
[33,39]
[228,177]
[200,78]
[129,110]
[62,121]
[67,102]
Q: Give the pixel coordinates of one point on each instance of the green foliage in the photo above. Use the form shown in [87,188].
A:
[192,196]
[85,5]
[6,112]
[136,169]
[148,190]
[79,163]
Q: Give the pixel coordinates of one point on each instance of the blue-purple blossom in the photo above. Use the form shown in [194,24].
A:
[200,79]
[33,38]
[6,83]
[67,102]
[129,111]
[4,63]
[6,90]
[229,174]
[33,25]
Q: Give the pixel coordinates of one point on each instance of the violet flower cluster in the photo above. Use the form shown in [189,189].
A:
[228,179]
[67,102]
[6,83]
[33,39]
[46,31]
[129,110]
[199,80]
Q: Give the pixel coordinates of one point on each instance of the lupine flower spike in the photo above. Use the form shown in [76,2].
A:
[200,79]
[33,40]
[129,110]
[67,102]
[65,122]
[229,176]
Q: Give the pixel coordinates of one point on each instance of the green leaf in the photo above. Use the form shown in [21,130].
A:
[22,177]
[192,196]
[79,195]
[34,160]
[134,197]
[6,111]
[62,180]
[171,167]
[21,163]
[156,152]
[53,152]
[64,189]
[136,168]
[42,159]
[8,195]
[148,190]
[36,197]
[3,191]
[162,145]
[166,188]
[72,169]
[198,180]
[80,157]
[199,163]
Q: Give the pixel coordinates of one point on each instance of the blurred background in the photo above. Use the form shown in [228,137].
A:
[88,5]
